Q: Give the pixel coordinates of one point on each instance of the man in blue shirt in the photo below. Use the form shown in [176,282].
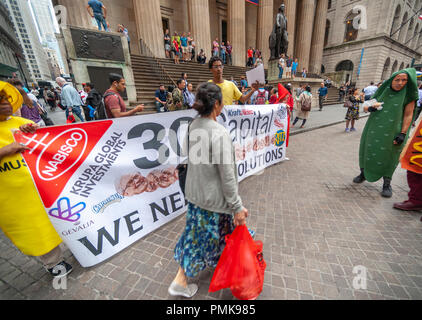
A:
[161,99]
[185,48]
[70,99]
[243,82]
[288,70]
[323,92]
[99,12]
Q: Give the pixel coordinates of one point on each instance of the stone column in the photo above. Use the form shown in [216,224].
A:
[318,37]
[303,38]
[291,24]
[150,25]
[236,31]
[199,25]
[265,26]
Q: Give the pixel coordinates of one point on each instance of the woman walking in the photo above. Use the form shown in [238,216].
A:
[304,106]
[353,106]
[214,207]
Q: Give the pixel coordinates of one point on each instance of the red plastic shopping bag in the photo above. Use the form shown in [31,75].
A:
[71,119]
[241,267]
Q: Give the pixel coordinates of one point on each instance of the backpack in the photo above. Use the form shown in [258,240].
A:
[50,95]
[307,105]
[261,98]
[101,113]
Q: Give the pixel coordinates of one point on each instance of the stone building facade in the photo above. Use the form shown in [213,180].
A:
[238,21]
[390,41]
[12,60]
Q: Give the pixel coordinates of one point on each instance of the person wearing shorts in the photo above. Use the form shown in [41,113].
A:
[185,48]
[294,68]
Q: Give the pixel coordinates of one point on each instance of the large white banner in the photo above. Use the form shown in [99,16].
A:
[107,184]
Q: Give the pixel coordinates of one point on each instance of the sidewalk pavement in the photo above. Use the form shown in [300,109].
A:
[330,115]
[316,226]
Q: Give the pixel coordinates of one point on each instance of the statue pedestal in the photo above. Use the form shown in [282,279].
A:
[273,70]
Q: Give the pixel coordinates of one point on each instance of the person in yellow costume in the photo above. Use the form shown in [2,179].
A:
[23,218]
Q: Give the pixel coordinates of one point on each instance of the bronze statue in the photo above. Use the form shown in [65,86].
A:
[279,42]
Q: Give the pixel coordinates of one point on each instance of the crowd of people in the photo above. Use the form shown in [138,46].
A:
[254,58]
[181,47]
[288,66]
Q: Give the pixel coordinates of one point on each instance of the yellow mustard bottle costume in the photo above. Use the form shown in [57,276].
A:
[22,215]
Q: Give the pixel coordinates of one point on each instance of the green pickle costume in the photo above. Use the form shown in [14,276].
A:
[379,157]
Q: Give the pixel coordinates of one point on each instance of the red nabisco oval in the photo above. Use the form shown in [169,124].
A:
[61,154]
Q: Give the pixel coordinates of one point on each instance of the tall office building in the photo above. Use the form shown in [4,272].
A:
[12,60]
[46,25]
[23,23]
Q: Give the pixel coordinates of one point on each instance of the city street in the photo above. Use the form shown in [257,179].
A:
[316,225]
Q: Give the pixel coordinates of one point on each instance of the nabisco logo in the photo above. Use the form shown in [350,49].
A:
[61,154]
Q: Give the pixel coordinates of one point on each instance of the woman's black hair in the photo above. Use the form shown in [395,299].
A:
[308,88]
[206,97]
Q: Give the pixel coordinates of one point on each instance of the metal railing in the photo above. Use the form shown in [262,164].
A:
[156,66]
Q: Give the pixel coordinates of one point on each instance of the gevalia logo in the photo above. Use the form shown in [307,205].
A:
[57,152]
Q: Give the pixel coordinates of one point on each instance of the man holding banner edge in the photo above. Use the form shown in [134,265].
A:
[230,92]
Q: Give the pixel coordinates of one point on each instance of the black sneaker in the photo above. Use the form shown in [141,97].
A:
[387,191]
[60,270]
[359,179]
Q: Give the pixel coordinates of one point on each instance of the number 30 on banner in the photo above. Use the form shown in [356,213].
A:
[157,141]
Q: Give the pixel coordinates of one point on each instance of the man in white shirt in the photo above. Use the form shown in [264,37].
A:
[281,66]
[370,91]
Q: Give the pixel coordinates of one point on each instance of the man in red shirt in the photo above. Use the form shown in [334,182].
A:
[115,106]
[250,57]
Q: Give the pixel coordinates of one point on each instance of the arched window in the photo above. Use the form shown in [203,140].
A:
[419,43]
[401,66]
[409,33]
[394,68]
[385,69]
[322,69]
[330,3]
[403,30]
[351,32]
[345,65]
[327,32]
[415,36]
[345,68]
[396,22]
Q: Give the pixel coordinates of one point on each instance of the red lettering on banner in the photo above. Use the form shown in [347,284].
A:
[57,152]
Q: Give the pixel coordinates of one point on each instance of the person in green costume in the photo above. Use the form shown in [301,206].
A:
[387,129]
